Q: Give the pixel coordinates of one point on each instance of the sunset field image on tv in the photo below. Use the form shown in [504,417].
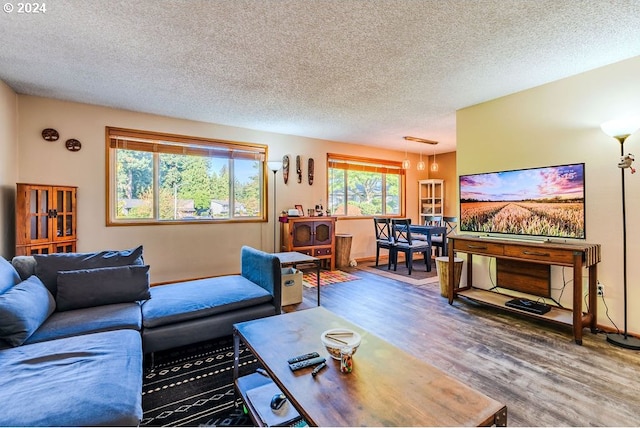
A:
[546,201]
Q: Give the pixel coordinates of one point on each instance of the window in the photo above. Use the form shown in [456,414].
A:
[364,187]
[164,178]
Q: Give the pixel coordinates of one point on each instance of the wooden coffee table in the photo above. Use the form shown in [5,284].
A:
[388,387]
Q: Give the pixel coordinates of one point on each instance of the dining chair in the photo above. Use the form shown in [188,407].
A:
[451,223]
[383,237]
[437,241]
[404,243]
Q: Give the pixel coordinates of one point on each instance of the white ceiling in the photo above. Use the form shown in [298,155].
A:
[366,71]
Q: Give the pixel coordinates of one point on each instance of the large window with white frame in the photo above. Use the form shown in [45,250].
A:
[362,187]
[156,178]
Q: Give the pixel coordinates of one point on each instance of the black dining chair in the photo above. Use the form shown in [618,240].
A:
[383,237]
[437,241]
[404,243]
[451,224]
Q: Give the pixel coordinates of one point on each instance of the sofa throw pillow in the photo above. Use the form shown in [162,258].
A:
[48,265]
[8,275]
[23,309]
[86,288]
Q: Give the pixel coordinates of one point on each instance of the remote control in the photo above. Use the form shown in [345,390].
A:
[306,363]
[303,357]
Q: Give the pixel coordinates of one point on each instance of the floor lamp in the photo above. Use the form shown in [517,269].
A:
[620,130]
[274,166]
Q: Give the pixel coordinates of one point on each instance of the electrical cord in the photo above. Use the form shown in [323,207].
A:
[607,314]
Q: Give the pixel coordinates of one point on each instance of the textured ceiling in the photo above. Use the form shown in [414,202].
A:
[366,72]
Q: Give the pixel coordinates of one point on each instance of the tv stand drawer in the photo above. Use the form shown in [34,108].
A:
[479,247]
[554,255]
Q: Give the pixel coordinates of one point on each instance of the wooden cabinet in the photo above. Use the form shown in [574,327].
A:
[45,219]
[431,194]
[314,236]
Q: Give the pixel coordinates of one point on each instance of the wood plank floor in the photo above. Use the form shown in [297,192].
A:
[535,368]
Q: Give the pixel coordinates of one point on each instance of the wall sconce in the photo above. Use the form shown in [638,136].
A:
[620,129]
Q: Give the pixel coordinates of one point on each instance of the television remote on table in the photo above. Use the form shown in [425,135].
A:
[307,363]
[303,357]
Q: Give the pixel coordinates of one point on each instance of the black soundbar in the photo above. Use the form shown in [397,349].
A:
[529,306]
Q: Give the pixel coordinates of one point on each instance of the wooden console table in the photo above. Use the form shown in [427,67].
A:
[577,256]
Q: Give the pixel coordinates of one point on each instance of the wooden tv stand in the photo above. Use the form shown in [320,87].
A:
[577,256]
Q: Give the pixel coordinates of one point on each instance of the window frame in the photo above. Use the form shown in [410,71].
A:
[159,143]
[356,163]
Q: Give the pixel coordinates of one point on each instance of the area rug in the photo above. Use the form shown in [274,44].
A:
[309,278]
[419,274]
[193,386]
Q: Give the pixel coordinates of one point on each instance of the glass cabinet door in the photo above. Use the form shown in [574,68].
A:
[64,216]
[38,215]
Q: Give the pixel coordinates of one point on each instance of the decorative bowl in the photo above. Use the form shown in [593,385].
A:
[338,338]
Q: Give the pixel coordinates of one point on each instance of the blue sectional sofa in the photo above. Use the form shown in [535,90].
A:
[74,329]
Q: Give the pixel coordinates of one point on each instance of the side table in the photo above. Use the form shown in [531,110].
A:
[293,258]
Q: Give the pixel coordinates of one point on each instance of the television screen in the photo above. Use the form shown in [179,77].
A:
[546,201]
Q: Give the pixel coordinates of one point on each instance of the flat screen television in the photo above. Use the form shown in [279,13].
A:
[547,201]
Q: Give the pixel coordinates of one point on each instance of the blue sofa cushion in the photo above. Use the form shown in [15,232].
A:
[89,380]
[25,266]
[87,288]
[181,301]
[89,320]
[23,309]
[8,275]
[48,265]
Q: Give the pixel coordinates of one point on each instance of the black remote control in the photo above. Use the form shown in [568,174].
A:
[307,363]
[303,357]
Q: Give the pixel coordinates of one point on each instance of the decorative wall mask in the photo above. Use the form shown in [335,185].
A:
[310,171]
[285,168]
[73,145]
[299,168]
[50,134]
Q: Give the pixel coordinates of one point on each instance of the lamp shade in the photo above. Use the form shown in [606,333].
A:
[620,127]
[274,165]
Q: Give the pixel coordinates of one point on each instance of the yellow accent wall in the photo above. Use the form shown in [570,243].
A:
[559,123]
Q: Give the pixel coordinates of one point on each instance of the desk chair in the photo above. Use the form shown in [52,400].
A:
[403,242]
[383,237]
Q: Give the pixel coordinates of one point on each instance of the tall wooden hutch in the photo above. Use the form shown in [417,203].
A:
[45,219]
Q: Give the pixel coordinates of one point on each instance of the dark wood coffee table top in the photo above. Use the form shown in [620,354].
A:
[388,387]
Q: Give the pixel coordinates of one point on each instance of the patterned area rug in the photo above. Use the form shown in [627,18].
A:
[419,274]
[309,278]
[193,386]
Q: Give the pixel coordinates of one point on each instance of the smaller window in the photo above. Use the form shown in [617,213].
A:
[361,187]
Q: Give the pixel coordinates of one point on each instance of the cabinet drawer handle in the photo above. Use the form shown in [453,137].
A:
[477,247]
[535,253]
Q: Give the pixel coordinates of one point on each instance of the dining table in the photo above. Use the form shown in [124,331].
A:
[429,231]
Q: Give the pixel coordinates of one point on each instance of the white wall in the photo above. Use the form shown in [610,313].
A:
[559,123]
[176,251]
[8,168]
